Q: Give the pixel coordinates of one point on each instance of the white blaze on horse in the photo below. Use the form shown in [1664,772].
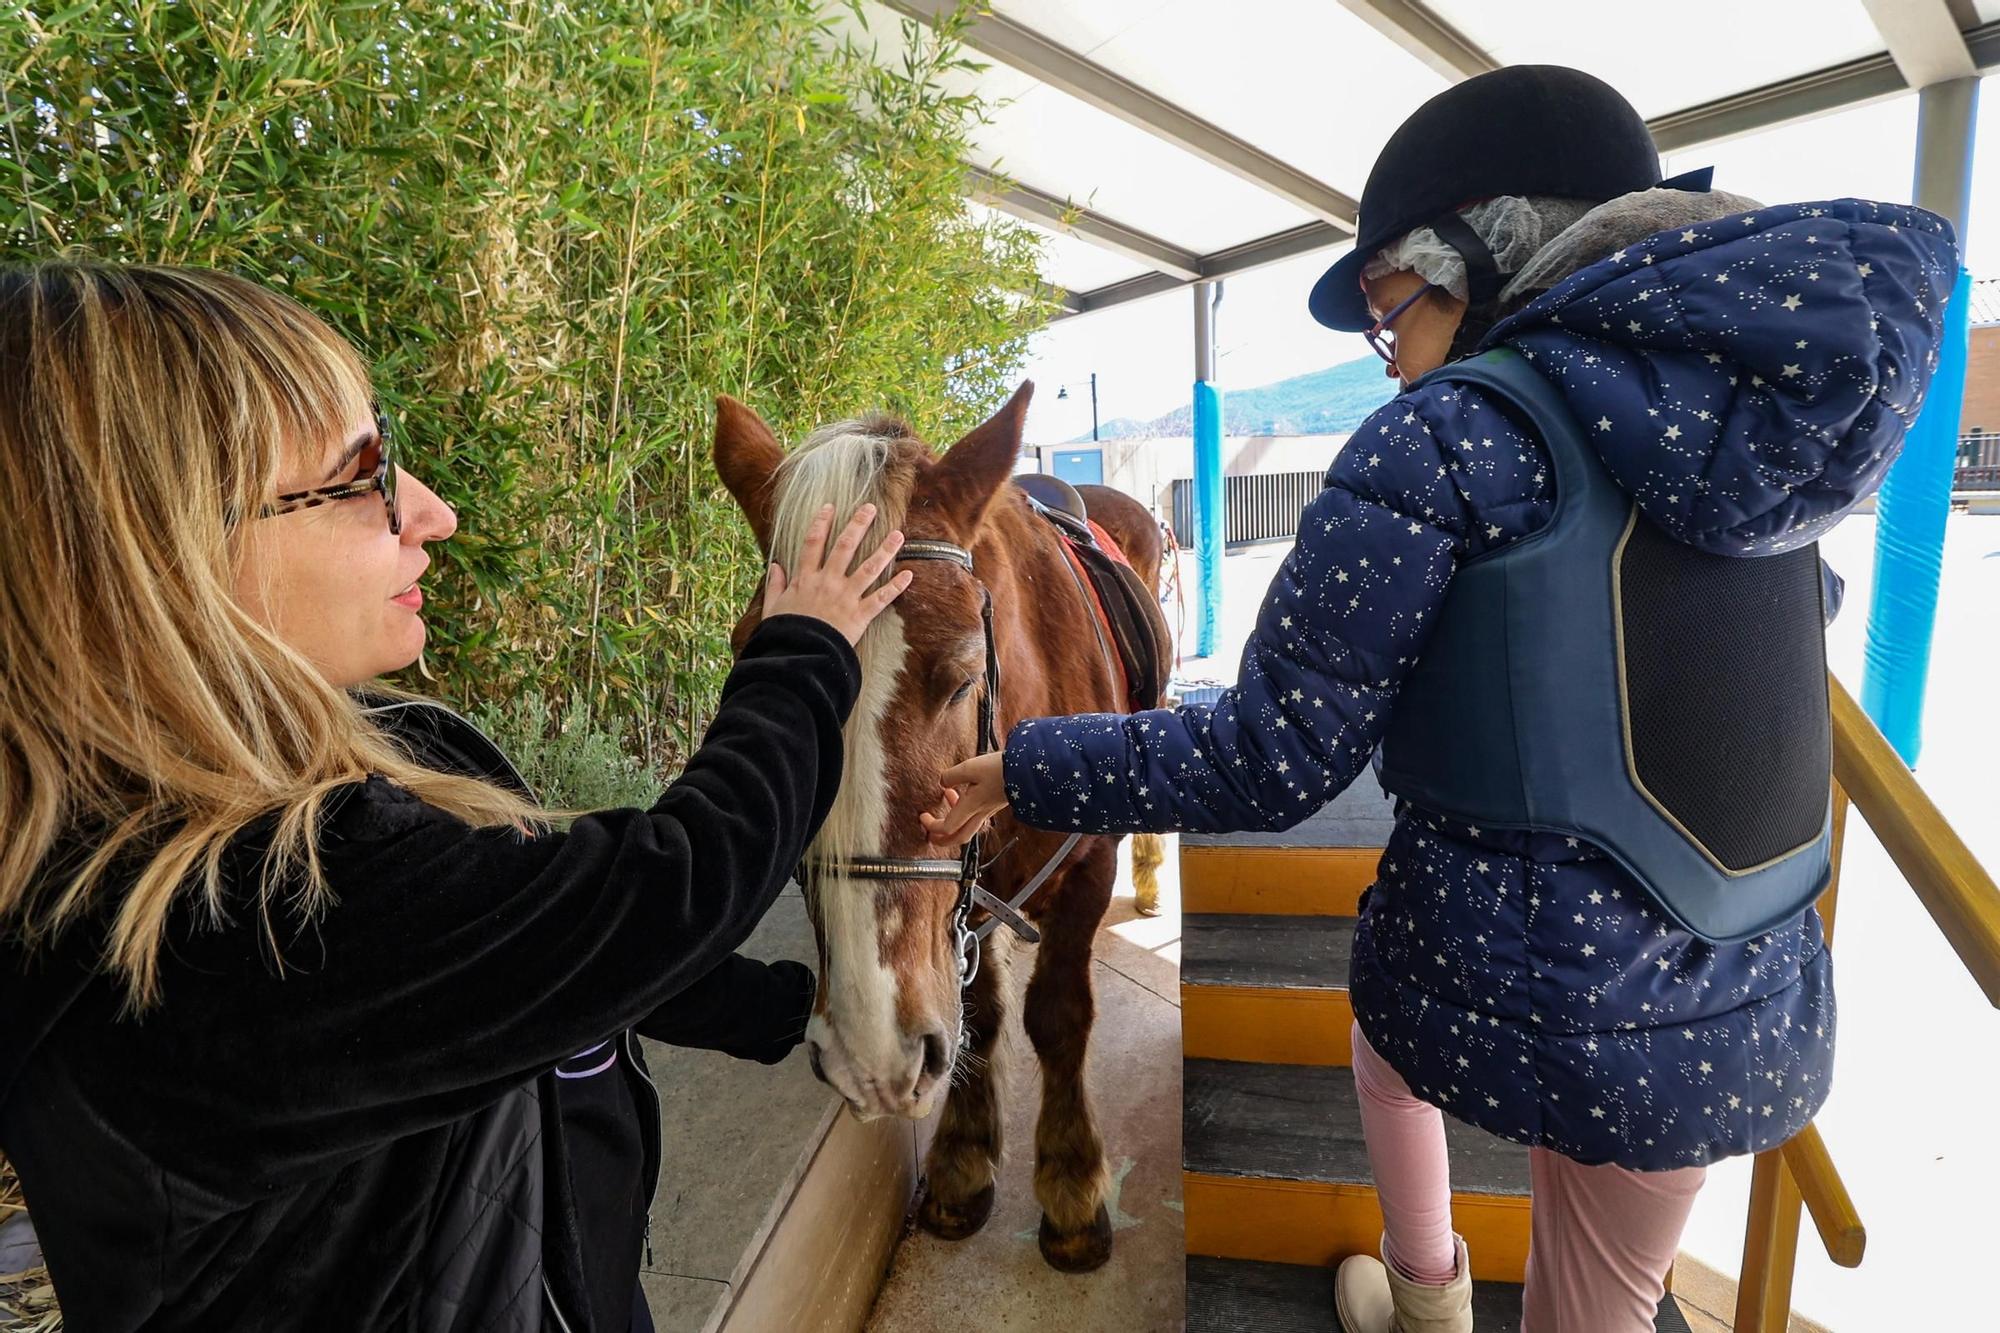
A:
[1001,623]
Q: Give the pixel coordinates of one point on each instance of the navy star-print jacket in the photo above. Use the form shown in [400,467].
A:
[1747,380]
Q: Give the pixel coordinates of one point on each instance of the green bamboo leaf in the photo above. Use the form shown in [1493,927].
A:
[523,239]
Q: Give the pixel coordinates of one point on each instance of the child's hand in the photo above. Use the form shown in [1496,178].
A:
[828,589]
[974,792]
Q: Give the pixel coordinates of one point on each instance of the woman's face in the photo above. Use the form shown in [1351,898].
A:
[1423,333]
[333,582]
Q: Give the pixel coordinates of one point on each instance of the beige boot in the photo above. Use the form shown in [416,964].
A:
[1371,1297]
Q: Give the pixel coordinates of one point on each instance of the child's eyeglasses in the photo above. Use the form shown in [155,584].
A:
[1381,337]
[376,462]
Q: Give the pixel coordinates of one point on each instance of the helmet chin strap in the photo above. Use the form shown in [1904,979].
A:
[1482,284]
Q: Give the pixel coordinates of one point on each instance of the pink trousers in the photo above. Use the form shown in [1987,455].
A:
[1602,1240]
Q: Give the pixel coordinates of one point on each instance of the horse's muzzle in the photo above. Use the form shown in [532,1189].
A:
[905,1080]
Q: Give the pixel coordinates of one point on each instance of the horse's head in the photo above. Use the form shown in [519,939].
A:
[886,1026]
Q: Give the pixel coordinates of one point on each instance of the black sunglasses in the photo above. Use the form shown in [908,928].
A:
[377,462]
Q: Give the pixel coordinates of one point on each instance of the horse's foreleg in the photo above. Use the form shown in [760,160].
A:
[1149,853]
[965,1154]
[1070,1178]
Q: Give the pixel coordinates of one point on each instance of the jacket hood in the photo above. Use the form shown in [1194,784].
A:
[1748,379]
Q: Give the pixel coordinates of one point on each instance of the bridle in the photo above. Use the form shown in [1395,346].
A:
[966,870]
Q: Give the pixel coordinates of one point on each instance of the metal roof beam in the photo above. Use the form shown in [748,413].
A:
[1264,250]
[1865,80]
[1923,38]
[1412,26]
[1120,293]
[1038,206]
[1059,67]
[1299,240]
[1070,302]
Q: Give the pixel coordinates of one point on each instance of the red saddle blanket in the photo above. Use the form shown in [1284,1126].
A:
[1124,605]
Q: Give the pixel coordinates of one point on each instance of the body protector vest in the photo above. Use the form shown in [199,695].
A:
[1599,679]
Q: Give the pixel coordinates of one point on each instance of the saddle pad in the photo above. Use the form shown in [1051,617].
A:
[1125,606]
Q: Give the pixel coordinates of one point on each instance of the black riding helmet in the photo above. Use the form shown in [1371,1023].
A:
[1520,130]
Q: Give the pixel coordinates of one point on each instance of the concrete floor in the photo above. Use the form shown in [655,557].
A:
[717,1182]
[997,1280]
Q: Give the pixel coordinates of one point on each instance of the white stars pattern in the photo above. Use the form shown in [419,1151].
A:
[1523,981]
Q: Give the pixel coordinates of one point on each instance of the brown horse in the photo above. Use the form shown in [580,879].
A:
[891,1030]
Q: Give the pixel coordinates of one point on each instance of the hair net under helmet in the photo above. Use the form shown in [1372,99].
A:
[1514,231]
[1524,131]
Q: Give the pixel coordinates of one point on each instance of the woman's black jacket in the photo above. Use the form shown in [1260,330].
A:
[365,1127]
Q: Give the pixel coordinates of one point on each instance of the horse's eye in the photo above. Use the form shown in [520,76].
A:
[958,695]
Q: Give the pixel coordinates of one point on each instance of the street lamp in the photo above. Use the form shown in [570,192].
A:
[1062,391]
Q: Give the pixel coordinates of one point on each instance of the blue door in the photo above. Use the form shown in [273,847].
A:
[1081,467]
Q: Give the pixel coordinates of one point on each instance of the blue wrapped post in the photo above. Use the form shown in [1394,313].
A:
[1909,546]
[1208,509]
[1209,501]
[1916,495]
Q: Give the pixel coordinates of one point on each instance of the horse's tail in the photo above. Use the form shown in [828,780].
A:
[1149,853]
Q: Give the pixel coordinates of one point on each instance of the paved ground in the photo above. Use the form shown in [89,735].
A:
[997,1280]
[1909,1124]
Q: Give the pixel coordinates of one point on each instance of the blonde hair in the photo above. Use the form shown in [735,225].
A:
[845,464]
[145,717]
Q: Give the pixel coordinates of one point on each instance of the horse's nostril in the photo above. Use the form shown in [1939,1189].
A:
[937,1055]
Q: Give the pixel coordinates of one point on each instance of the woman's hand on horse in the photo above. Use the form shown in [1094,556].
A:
[830,585]
[974,792]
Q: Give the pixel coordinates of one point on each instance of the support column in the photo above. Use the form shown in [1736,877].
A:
[1210,506]
[1915,498]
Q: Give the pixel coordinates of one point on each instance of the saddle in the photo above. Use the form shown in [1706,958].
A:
[1125,606]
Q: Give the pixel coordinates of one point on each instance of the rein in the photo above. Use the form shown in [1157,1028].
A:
[967,869]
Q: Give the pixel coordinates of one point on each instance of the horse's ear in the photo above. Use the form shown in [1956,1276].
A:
[747,456]
[972,471]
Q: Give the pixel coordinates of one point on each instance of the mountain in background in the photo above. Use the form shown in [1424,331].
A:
[1320,402]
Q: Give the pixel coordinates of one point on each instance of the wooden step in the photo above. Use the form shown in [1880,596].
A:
[1244,1296]
[1266,988]
[1287,881]
[1318,867]
[1274,1168]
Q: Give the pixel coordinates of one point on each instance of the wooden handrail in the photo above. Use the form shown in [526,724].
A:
[1770,1247]
[1826,1197]
[1964,902]
[1953,887]
[1771,1231]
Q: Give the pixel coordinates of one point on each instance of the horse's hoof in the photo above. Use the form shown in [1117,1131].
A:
[955,1222]
[1082,1251]
[1146,908]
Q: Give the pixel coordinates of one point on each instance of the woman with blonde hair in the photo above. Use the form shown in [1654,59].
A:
[312,1019]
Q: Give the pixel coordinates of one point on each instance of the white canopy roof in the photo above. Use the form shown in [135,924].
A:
[1161,142]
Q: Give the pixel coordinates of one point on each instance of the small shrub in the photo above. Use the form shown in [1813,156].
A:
[570,761]
[557,231]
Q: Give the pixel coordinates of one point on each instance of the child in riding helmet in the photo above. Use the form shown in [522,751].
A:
[1591,931]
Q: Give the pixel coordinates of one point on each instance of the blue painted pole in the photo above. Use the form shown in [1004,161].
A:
[1914,502]
[1915,499]
[1210,507]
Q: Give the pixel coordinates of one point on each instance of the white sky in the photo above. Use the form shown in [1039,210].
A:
[1143,353]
